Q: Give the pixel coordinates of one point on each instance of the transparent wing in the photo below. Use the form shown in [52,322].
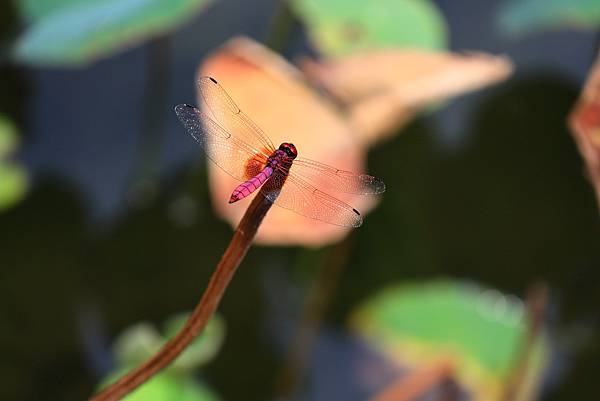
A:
[234,156]
[335,179]
[223,110]
[297,195]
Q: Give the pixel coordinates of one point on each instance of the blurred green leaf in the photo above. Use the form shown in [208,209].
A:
[165,388]
[8,137]
[136,344]
[521,16]
[483,328]
[340,27]
[87,30]
[13,184]
[13,178]
[204,348]
[33,10]
[139,342]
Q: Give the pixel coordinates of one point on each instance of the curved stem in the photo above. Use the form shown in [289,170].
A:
[280,27]
[231,259]
[537,303]
[153,113]
[416,384]
[144,183]
[319,296]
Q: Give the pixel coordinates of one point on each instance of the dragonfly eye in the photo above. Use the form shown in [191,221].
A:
[289,149]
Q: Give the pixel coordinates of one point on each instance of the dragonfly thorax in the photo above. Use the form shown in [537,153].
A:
[289,149]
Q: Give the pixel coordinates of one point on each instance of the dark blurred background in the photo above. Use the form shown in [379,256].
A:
[488,188]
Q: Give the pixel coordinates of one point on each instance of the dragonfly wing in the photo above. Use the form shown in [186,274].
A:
[338,180]
[297,195]
[219,105]
[234,156]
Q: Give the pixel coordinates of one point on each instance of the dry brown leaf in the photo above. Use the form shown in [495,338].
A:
[273,93]
[384,89]
[584,122]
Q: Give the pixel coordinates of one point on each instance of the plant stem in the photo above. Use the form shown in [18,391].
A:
[231,259]
[156,90]
[152,121]
[416,384]
[537,303]
[319,296]
[280,27]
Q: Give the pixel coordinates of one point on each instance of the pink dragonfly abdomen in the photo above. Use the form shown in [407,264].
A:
[246,188]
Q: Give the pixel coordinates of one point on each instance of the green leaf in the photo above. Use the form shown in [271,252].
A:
[163,387]
[87,30]
[13,178]
[139,342]
[482,327]
[8,137]
[33,10]
[521,16]
[13,184]
[204,348]
[340,27]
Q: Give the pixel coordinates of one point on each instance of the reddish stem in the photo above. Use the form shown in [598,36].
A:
[537,303]
[417,383]
[319,296]
[231,259]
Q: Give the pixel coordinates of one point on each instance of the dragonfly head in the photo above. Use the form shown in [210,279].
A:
[289,149]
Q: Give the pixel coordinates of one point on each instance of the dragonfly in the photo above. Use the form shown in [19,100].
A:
[247,154]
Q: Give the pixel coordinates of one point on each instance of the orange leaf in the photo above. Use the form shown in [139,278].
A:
[384,89]
[584,122]
[273,93]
